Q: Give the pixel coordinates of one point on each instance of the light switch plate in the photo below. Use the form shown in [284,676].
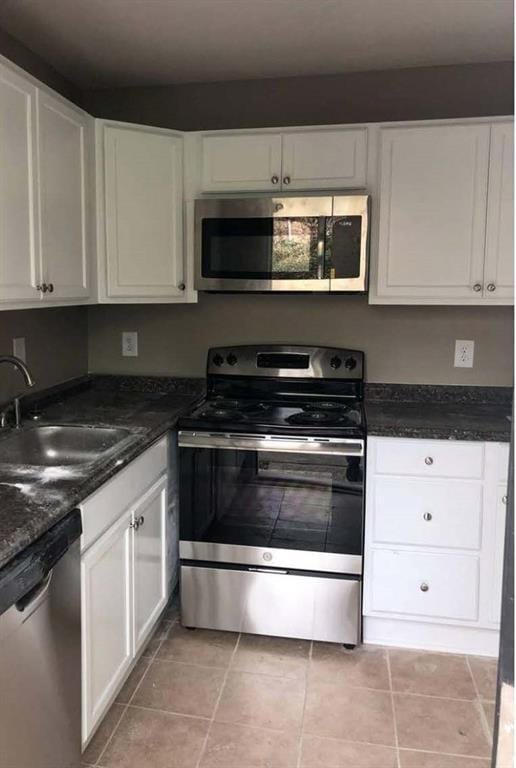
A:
[19,348]
[464,353]
[130,343]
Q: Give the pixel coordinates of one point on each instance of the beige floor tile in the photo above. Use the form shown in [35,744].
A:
[238,746]
[489,709]
[434,760]
[147,739]
[199,646]
[440,725]
[354,714]
[433,674]
[485,672]
[100,738]
[335,753]
[278,656]
[362,667]
[157,638]
[180,688]
[262,701]
[133,681]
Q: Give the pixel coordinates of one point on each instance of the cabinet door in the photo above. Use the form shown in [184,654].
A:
[150,572]
[64,136]
[143,213]
[241,162]
[19,268]
[433,197]
[324,159]
[499,266]
[106,620]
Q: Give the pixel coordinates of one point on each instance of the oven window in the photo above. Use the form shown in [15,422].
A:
[272,499]
[343,244]
[261,248]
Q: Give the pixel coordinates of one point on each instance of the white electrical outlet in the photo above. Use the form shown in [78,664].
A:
[130,343]
[19,348]
[464,352]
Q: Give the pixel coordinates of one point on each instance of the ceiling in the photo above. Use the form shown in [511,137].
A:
[102,43]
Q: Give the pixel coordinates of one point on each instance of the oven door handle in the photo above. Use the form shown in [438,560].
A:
[283,443]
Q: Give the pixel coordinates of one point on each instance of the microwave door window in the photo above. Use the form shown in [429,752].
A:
[261,248]
[343,247]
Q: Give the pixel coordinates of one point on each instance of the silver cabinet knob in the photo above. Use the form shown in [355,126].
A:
[429,461]
[181,286]
[424,587]
[43,287]
[134,524]
[477,287]
[427,516]
[286,180]
[141,521]
[504,499]
[275,179]
[50,287]
[491,287]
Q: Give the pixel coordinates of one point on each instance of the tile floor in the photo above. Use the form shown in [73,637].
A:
[204,699]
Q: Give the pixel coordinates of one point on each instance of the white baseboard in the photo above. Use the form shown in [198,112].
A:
[431,637]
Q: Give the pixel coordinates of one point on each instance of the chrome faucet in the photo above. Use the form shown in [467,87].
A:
[29,381]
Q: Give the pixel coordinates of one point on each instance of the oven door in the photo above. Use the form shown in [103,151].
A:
[261,244]
[347,244]
[282,502]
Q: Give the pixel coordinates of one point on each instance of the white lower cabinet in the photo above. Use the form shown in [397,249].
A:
[435,526]
[124,578]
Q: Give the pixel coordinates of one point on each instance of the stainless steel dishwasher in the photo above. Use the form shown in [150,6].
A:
[40,653]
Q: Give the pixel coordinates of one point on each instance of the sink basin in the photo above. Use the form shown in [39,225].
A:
[51,446]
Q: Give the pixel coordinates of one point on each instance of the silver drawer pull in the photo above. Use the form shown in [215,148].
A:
[424,587]
[427,516]
[429,461]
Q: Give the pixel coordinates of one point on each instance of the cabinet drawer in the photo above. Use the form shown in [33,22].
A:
[427,512]
[398,582]
[429,458]
[100,510]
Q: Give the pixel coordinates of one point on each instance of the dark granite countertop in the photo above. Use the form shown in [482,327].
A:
[439,412]
[33,499]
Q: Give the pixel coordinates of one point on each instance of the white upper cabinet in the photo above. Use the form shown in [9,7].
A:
[241,162]
[324,159]
[142,217]
[433,196]
[64,136]
[499,264]
[19,268]
[267,161]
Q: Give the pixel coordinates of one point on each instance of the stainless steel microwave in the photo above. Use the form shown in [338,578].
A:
[317,243]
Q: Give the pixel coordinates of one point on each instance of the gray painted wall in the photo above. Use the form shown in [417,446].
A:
[402,344]
[399,94]
[56,345]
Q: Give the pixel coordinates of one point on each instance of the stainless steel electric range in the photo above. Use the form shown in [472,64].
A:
[272,494]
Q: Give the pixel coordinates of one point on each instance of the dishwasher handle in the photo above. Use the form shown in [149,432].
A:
[30,601]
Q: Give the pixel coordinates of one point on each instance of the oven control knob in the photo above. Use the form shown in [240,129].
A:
[267,556]
[218,359]
[350,363]
[335,362]
[231,359]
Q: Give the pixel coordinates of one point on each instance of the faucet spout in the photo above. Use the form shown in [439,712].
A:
[20,365]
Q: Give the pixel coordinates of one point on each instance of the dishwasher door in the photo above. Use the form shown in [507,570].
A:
[40,672]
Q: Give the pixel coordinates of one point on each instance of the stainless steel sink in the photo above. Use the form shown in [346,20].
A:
[52,446]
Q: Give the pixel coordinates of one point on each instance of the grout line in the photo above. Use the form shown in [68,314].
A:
[483,716]
[443,754]
[307,671]
[219,697]
[394,718]
[108,741]
[169,712]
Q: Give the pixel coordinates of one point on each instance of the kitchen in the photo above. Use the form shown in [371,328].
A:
[311,442]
